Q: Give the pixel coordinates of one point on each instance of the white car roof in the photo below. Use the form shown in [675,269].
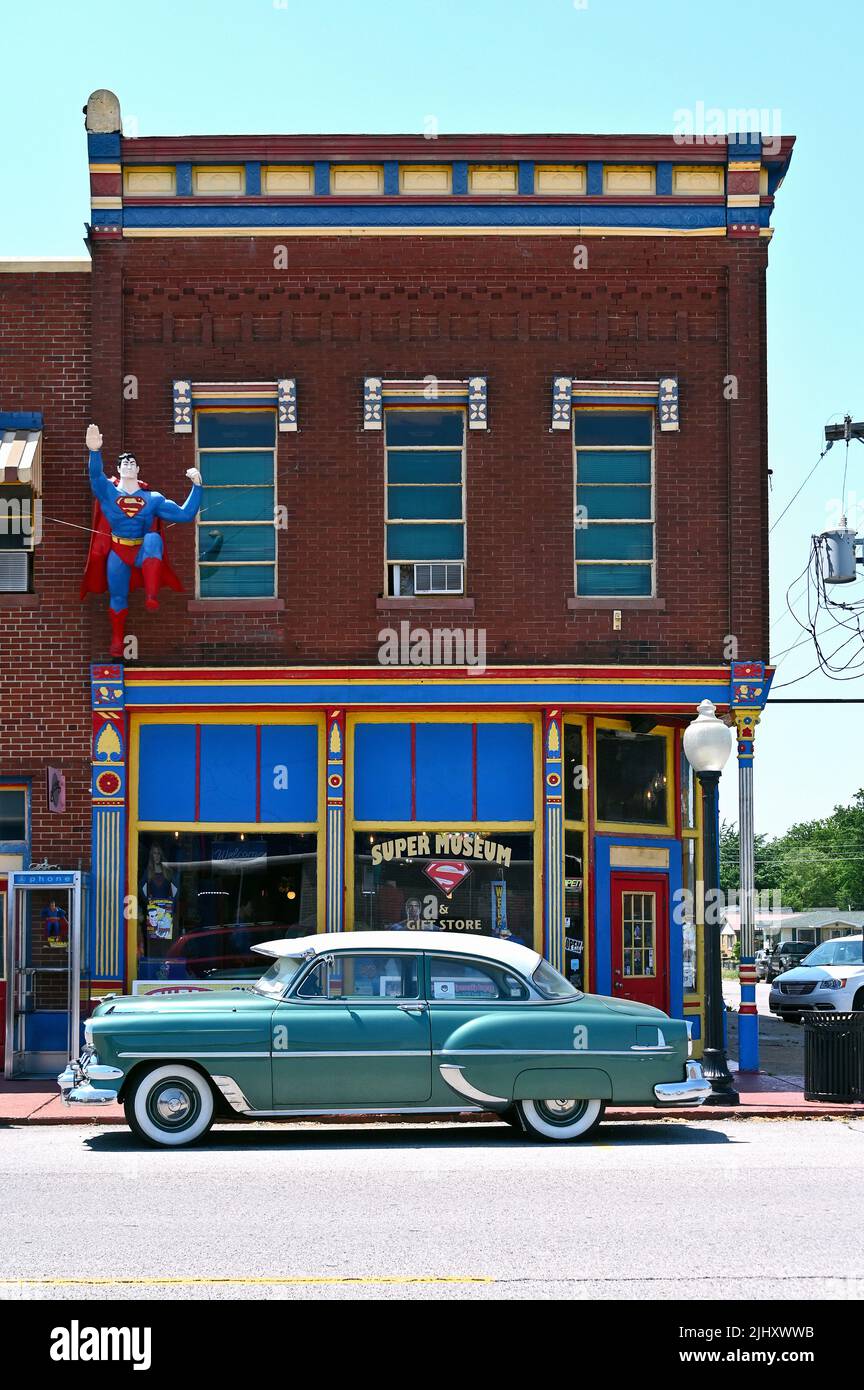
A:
[511,953]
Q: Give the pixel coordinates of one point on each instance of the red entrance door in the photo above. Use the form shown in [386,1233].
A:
[640,938]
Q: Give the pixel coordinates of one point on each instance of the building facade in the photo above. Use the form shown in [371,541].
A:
[481,427]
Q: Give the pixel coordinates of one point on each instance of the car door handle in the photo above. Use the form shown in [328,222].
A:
[413,1008]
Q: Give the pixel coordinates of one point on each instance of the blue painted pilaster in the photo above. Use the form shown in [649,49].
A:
[108,824]
[553,839]
[335,891]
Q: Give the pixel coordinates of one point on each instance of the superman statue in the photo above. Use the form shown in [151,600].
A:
[128,545]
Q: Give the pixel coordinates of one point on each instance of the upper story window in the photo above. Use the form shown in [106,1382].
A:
[13,815]
[425,501]
[614,518]
[20,516]
[236,526]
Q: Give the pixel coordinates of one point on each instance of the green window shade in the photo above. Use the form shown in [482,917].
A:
[427,502]
[237,581]
[423,427]
[602,466]
[236,429]
[406,542]
[614,581]
[229,543]
[223,470]
[615,542]
[440,466]
[612,502]
[236,504]
[613,427]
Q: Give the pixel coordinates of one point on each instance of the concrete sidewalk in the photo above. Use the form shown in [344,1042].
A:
[761,1097]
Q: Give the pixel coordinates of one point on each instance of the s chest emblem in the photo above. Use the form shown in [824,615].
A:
[131,506]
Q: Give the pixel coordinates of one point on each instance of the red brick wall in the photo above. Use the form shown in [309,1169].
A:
[44,677]
[516,311]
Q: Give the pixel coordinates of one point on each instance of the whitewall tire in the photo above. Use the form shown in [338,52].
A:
[561,1119]
[171,1105]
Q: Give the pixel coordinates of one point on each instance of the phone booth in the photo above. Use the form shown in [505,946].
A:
[46,970]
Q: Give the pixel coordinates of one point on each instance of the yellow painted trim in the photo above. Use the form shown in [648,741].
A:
[230,179]
[618,178]
[162,180]
[744,166]
[269,717]
[559,178]
[604,827]
[414,179]
[106,202]
[742,200]
[579,827]
[504,827]
[493,178]
[575,230]
[348,179]
[105,168]
[285,179]
[698,178]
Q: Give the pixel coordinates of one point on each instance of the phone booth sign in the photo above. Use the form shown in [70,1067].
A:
[46,964]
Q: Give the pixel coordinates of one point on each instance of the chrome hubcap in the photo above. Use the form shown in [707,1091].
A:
[561,1107]
[173,1105]
[561,1112]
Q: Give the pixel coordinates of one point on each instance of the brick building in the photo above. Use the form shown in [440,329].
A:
[481,423]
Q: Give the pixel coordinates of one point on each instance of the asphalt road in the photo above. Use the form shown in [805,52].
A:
[653,1210]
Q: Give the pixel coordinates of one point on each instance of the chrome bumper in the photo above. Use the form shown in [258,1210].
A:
[693,1090]
[75,1082]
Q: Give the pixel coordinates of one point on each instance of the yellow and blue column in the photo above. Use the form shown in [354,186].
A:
[553,838]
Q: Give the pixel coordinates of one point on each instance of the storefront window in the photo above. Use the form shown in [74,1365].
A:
[688,794]
[574,772]
[13,814]
[206,899]
[631,777]
[459,881]
[574,909]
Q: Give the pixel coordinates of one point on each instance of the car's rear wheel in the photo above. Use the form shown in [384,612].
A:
[170,1106]
[561,1120]
[858,1001]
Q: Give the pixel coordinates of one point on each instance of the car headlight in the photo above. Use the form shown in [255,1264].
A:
[832,984]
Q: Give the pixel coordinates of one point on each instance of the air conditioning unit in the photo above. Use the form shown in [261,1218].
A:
[14,571]
[438,578]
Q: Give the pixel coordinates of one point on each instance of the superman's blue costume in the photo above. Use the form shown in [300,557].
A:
[128,546]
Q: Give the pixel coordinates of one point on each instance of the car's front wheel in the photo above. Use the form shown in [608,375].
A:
[561,1119]
[170,1106]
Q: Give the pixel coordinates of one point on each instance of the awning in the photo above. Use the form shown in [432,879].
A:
[21,458]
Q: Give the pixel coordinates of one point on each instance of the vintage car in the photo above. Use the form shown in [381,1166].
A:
[383,1022]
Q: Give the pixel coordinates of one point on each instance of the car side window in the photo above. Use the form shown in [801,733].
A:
[452,979]
[359,976]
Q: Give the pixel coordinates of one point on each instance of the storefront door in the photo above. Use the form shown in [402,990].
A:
[640,938]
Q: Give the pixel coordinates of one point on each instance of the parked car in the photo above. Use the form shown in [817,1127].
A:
[786,955]
[384,1021]
[830,977]
[761,960]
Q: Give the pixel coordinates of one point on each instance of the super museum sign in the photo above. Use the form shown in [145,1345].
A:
[456,844]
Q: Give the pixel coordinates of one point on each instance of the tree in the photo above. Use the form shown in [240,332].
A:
[818,863]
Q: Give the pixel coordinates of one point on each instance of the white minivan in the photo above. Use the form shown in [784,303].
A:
[831,977]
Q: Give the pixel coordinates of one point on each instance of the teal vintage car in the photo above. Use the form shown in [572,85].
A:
[379,1022]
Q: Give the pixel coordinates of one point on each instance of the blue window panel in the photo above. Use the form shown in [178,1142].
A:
[505,772]
[236,429]
[238,466]
[166,776]
[382,772]
[289,772]
[237,581]
[614,581]
[442,466]
[407,542]
[236,504]
[418,427]
[601,467]
[615,542]
[228,758]
[613,426]
[430,502]
[444,772]
[233,543]
[604,502]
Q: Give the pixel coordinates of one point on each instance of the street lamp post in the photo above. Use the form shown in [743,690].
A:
[707,744]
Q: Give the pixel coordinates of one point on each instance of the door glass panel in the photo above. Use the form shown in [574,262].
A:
[363,977]
[638,932]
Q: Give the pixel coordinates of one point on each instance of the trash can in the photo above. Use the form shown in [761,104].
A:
[834,1056]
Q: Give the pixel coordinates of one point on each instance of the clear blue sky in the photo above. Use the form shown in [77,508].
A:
[225,66]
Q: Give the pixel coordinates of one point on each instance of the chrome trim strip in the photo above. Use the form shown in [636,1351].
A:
[452,1076]
[193,1056]
[576,1053]
[371,1110]
[289,1056]
[233,1094]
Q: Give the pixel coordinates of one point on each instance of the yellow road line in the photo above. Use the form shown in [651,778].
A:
[275,1279]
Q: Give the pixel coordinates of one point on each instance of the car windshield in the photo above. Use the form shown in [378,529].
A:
[274,982]
[552,984]
[848,951]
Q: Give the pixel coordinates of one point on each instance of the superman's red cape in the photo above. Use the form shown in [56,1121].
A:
[95,580]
